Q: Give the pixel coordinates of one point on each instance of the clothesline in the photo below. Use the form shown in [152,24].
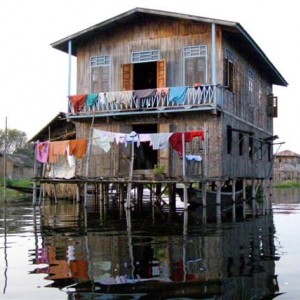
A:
[174,94]
[48,152]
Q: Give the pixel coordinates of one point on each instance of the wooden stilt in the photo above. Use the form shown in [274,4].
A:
[218,203]
[244,198]
[253,195]
[204,195]
[129,185]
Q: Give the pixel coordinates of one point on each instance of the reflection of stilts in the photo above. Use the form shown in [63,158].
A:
[129,237]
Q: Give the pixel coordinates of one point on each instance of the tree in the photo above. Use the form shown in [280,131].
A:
[16,140]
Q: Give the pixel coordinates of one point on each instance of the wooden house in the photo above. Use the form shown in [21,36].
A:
[18,166]
[287,166]
[139,62]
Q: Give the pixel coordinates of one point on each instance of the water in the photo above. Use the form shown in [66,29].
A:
[65,252]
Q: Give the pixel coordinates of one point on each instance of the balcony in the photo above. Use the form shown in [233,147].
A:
[204,97]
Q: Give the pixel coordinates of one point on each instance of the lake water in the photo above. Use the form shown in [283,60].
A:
[63,251]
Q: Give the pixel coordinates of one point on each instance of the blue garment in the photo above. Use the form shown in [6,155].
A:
[92,99]
[177,94]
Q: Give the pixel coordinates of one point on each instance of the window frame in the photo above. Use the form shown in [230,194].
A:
[100,61]
[195,51]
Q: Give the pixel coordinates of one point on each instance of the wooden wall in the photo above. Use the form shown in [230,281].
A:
[168,36]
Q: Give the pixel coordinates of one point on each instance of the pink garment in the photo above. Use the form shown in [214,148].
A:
[42,151]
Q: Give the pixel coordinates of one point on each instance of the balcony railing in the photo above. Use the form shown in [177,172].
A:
[122,101]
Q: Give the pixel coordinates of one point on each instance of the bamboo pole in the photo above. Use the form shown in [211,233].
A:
[129,185]
[5,162]
[87,167]
[185,193]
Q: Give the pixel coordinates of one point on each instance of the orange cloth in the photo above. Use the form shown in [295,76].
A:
[78,148]
[78,102]
[57,148]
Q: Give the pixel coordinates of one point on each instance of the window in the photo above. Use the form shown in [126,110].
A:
[100,74]
[145,56]
[195,64]
[250,76]
[228,71]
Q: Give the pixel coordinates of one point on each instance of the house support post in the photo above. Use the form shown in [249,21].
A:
[185,193]
[204,195]
[129,184]
[233,200]
[218,203]
[253,195]
[244,198]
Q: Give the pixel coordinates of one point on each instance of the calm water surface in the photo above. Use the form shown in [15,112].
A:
[65,252]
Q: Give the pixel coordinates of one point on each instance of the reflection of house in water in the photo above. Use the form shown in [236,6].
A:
[233,260]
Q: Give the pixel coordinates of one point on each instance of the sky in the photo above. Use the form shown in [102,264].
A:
[34,76]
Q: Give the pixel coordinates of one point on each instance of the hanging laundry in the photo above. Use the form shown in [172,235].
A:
[70,158]
[193,157]
[125,99]
[78,148]
[132,137]
[145,137]
[176,139]
[120,138]
[102,98]
[78,102]
[147,93]
[178,94]
[91,99]
[56,149]
[162,92]
[160,140]
[42,151]
[102,139]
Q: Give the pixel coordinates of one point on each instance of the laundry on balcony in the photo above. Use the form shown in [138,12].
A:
[178,94]
[78,102]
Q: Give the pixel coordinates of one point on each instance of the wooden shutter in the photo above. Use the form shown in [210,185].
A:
[161,78]
[127,77]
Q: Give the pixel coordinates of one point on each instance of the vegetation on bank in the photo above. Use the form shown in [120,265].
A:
[13,194]
[287,184]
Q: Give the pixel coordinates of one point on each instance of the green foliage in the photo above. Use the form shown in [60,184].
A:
[159,169]
[287,184]
[15,140]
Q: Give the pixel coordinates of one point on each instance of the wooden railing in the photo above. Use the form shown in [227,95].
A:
[111,102]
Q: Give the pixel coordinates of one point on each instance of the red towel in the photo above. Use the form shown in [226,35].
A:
[176,139]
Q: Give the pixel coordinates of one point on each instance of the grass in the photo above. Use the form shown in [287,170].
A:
[287,184]
[12,194]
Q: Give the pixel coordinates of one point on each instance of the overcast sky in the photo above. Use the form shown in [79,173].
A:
[34,76]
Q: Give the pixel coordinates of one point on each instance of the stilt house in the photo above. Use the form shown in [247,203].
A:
[154,72]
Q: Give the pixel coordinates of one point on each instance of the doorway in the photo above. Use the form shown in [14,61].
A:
[145,157]
[144,75]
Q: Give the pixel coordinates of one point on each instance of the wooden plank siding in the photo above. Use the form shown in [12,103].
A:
[168,37]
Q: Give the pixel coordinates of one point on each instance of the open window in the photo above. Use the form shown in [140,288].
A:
[143,75]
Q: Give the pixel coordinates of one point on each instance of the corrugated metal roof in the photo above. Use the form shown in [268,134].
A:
[287,153]
[232,30]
